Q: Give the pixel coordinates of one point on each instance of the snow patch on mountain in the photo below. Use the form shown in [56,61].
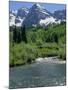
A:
[19,21]
[12,19]
[47,21]
[45,13]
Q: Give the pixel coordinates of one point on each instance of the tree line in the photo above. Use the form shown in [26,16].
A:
[35,34]
[19,34]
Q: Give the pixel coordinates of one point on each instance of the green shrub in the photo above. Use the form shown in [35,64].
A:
[62,53]
[45,52]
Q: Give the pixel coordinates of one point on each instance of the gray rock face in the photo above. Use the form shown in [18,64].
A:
[36,13]
[22,12]
[60,14]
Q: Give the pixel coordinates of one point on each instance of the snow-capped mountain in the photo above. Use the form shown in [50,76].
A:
[36,15]
[17,17]
[21,14]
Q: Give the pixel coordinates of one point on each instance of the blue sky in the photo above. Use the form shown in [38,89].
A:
[15,5]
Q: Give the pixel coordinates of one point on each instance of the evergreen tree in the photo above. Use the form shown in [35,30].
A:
[14,35]
[23,34]
[56,38]
[18,36]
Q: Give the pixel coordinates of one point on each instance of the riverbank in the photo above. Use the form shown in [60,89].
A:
[53,60]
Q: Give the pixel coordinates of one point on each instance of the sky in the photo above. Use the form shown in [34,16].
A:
[15,5]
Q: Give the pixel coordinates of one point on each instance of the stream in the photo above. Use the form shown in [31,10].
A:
[37,75]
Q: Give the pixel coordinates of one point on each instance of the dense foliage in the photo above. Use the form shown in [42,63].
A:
[26,44]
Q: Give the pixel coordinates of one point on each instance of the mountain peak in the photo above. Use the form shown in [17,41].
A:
[23,9]
[36,6]
[36,13]
[22,12]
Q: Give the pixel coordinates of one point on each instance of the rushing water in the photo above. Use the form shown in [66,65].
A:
[37,75]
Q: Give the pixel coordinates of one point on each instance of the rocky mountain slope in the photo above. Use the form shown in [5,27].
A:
[36,15]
